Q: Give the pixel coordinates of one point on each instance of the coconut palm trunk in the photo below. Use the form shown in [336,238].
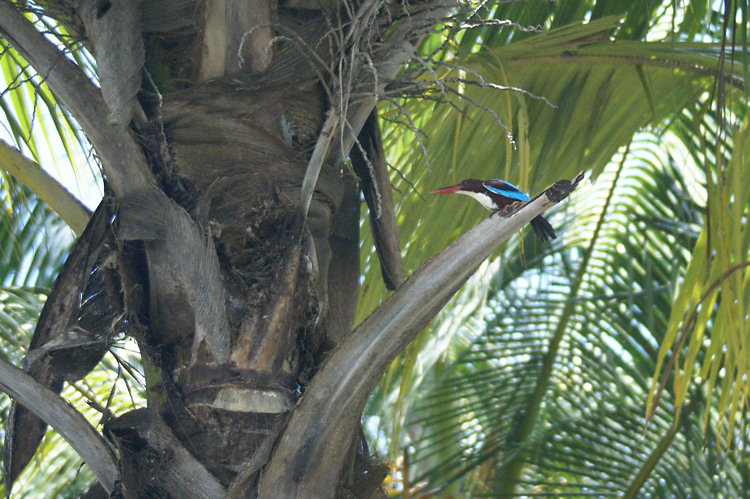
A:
[202,252]
[227,243]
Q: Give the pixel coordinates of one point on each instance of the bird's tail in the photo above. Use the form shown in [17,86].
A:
[542,228]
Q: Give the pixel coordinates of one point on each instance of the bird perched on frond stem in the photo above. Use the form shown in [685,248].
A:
[496,195]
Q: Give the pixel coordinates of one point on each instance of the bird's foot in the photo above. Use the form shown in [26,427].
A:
[511,208]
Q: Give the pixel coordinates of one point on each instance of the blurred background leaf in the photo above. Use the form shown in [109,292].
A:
[536,379]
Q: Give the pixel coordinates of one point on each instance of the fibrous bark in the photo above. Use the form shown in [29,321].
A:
[232,241]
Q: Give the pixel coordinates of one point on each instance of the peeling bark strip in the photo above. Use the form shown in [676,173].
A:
[236,38]
[265,347]
[368,159]
[185,288]
[250,35]
[343,278]
[214,53]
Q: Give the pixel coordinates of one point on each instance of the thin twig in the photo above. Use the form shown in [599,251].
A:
[316,161]
[415,130]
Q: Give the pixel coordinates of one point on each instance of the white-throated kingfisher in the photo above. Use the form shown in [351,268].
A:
[496,195]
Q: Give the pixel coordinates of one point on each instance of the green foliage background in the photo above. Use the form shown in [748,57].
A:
[538,377]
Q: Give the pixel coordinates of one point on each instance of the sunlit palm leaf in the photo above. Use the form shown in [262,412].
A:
[56,469]
[601,101]
[584,438]
[34,240]
[603,91]
[38,125]
[19,308]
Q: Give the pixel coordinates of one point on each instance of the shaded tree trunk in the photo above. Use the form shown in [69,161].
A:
[230,294]
[227,244]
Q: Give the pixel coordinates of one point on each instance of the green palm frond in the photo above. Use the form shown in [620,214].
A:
[707,329]
[33,239]
[536,379]
[589,435]
[549,399]
[601,94]
[603,91]
[56,469]
[19,309]
[34,242]
[37,124]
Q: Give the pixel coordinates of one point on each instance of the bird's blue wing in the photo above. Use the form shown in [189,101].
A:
[505,189]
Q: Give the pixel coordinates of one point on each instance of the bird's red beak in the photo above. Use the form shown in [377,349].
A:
[447,190]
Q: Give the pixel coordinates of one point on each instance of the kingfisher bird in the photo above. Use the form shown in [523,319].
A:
[496,195]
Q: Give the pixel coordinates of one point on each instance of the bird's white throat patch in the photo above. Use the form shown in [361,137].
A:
[483,199]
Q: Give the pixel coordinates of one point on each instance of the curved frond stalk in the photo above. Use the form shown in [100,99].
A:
[595,399]
[122,159]
[57,468]
[334,404]
[603,91]
[51,130]
[108,391]
[75,214]
[64,419]
[597,112]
